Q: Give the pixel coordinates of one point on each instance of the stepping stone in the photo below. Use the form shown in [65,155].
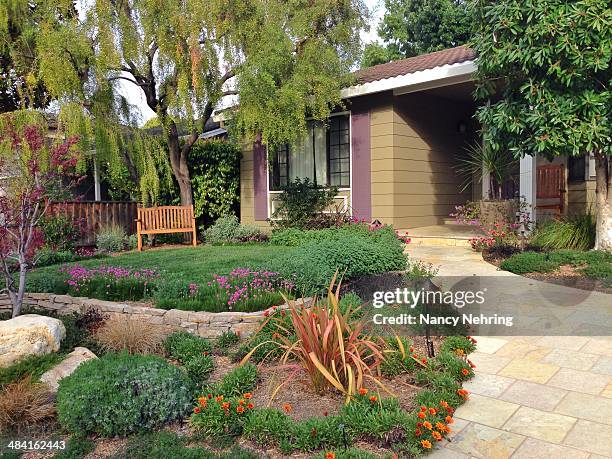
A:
[66,367]
[533,448]
[585,406]
[579,381]
[591,436]
[486,410]
[534,395]
[486,442]
[550,427]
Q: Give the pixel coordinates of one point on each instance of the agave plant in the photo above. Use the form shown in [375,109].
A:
[331,346]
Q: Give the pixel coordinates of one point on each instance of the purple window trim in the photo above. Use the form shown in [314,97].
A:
[361,165]
[260,180]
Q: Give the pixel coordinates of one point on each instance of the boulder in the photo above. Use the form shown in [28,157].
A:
[29,334]
[66,367]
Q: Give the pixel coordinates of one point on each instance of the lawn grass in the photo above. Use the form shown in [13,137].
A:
[191,264]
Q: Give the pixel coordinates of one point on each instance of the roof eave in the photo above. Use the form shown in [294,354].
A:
[436,77]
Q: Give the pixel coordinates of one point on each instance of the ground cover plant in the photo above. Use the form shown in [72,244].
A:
[131,393]
[595,265]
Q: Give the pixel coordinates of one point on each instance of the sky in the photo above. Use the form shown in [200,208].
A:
[136,97]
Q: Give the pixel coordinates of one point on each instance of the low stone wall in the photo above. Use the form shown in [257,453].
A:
[204,324]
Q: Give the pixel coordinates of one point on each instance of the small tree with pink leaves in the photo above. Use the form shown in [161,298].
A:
[34,170]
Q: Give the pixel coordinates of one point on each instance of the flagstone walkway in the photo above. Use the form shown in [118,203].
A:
[533,396]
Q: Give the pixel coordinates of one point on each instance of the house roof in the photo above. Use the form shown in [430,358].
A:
[415,64]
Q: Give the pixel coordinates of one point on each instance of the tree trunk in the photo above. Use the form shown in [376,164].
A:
[603,200]
[178,161]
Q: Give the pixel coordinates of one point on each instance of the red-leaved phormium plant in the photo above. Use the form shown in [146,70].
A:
[34,171]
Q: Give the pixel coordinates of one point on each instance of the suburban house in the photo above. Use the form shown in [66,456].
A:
[394,149]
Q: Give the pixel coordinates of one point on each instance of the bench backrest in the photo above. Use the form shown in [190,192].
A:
[166,218]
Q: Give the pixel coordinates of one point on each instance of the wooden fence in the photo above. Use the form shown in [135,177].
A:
[92,215]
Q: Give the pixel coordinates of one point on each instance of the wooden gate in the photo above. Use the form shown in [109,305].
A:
[90,216]
[550,186]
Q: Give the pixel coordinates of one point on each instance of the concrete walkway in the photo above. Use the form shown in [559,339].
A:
[534,396]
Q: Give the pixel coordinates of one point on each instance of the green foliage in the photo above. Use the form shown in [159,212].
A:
[349,453]
[215,178]
[597,262]
[228,229]
[192,352]
[131,393]
[47,256]
[602,271]
[553,58]
[164,444]
[302,202]
[573,232]
[240,380]
[59,232]
[412,27]
[353,251]
[111,238]
[34,366]
[267,426]
[77,447]
[454,343]
[528,262]
[226,340]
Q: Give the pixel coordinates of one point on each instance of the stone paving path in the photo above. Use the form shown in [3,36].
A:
[533,396]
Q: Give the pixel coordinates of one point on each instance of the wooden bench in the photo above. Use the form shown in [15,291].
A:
[165,220]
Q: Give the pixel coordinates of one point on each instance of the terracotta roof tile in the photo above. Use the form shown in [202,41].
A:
[415,64]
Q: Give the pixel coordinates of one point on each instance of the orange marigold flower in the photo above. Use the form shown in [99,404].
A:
[202,400]
[373,398]
[248,395]
[225,405]
[330,455]
[411,349]
[424,361]
[427,425]
[240,409]
[440,426]
[465,371]
[463,393]
[419,424]
[241,402]
[325,413]
[443,404]
[415,356]
[432,411]
[287,407]
[459,352]
[219,398]
[449,420]
[196,410]
[450,410]
[423,408]
[436,435]
[418,432]
[250,406]
[421,415]
[363,391]
[426,444]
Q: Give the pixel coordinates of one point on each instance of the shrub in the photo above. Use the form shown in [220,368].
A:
[59,231]
[229,229]
[240,380]
[528,262]
[227,340]
[131,335]
[331,347]
[77,447]
[267,426]
[460,345]
[573,232]
[24,403]
[192,352]
[314,263]
[111,238]
[47,256]
[120,393]
[301,202]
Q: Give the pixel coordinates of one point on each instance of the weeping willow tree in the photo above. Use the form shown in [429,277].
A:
[285,60]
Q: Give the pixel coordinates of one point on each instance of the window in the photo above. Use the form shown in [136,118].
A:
[576,168]
[322,155]
[338,152]
[279,170]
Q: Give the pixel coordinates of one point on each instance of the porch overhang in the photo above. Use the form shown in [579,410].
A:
[444,75]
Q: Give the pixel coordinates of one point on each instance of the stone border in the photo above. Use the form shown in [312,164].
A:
[204,324]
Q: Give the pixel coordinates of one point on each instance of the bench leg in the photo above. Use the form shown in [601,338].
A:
[193,237]
[139,242]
